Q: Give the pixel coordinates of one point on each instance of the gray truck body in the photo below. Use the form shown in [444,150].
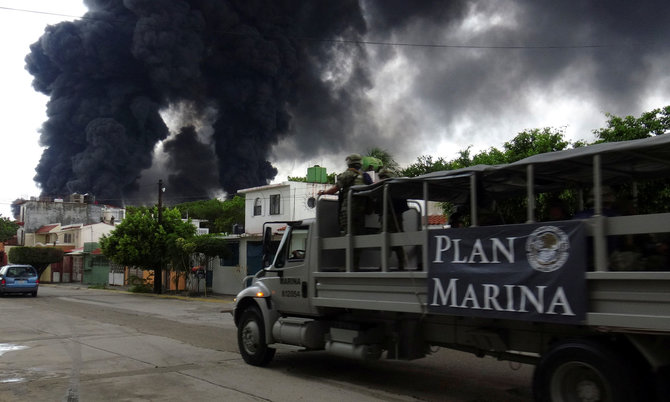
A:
[346,294]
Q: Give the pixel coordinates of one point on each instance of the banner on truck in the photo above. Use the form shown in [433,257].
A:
[533,272]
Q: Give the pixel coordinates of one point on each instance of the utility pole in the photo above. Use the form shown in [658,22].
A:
[160,201]
[158,272]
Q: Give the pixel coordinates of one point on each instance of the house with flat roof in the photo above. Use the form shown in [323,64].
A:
[287,201]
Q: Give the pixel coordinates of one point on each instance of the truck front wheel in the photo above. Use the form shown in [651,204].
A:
[251,338]
[586,371]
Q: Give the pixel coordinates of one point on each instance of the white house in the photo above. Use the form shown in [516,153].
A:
[287,201]
[77,235]
[197,223]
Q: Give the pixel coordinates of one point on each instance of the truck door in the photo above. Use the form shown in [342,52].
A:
[289,285]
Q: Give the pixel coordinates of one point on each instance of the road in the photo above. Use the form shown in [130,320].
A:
[76,344]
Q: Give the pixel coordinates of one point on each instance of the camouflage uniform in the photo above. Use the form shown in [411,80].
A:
[351,177]
[398,206]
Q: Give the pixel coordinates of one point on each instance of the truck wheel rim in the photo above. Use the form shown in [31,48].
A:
[250,337]
[579,382]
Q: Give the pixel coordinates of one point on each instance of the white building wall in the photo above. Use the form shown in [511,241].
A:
[295,204]
[294,201]
[227,280]
[28,238]
[35,214]
[93,233]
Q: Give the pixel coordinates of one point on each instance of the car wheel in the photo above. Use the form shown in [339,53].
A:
[251,338]
[34,294]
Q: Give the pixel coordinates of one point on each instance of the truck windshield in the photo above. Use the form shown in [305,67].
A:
[292,246]
[297,244]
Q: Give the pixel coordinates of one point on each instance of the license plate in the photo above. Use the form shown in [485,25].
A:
[21,281]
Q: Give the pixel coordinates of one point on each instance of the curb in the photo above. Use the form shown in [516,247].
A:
[218,299]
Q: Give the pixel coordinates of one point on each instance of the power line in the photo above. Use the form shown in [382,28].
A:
[39,12]
[447,46]
[355,41]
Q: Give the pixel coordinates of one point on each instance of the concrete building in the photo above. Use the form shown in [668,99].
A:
[83,262]
[75,225]
[37,213]
[276,202]
[287,201]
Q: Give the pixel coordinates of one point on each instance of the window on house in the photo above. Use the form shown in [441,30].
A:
[274,204]
[67,238]
[99,261]
[257,207]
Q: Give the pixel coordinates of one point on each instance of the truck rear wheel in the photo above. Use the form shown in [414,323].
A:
[586,371]
[251,338]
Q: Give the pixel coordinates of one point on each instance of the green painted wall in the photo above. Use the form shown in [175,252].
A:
[96,267]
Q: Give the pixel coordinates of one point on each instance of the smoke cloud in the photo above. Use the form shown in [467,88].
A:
[110,74]
[284,80]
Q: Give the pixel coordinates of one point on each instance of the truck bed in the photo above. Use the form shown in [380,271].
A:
[625,301]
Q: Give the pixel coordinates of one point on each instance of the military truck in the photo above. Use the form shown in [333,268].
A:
[585,297]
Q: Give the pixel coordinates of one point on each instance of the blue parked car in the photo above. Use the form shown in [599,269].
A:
[18,279]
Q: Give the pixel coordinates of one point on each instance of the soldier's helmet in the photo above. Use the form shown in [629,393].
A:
[385,173]
[370,162]
[353,159]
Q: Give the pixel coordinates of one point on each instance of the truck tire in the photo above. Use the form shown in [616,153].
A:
[251,338]
[584,370]
[663,384]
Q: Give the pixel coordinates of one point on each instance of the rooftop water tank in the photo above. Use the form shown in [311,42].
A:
[317,174]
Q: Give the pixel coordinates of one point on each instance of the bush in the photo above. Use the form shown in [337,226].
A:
[141,288]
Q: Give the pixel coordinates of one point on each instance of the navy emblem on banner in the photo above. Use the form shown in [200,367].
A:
[533,272]
[547,248]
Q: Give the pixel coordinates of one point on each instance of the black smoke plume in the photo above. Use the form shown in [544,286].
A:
[111,73]
[304,74]
[193,166]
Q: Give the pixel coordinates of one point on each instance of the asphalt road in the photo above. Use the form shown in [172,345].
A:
[76,344]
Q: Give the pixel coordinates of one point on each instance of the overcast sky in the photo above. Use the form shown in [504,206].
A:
[22,108]
[432,78]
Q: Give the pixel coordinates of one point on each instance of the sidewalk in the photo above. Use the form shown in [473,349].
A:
[211,297]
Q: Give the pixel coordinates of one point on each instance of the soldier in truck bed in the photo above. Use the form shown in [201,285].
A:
[353,176]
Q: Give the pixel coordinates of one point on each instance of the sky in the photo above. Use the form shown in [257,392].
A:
[23,109]
[412,77]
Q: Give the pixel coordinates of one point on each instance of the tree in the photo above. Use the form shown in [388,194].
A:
[526,143]
[220,215]
[38,257]
[204,248]
[534,141]
[423,165]
[652,196]
[493,156]
[141,241]
[232,212]
[384,156]
[655,122]
[8,229]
